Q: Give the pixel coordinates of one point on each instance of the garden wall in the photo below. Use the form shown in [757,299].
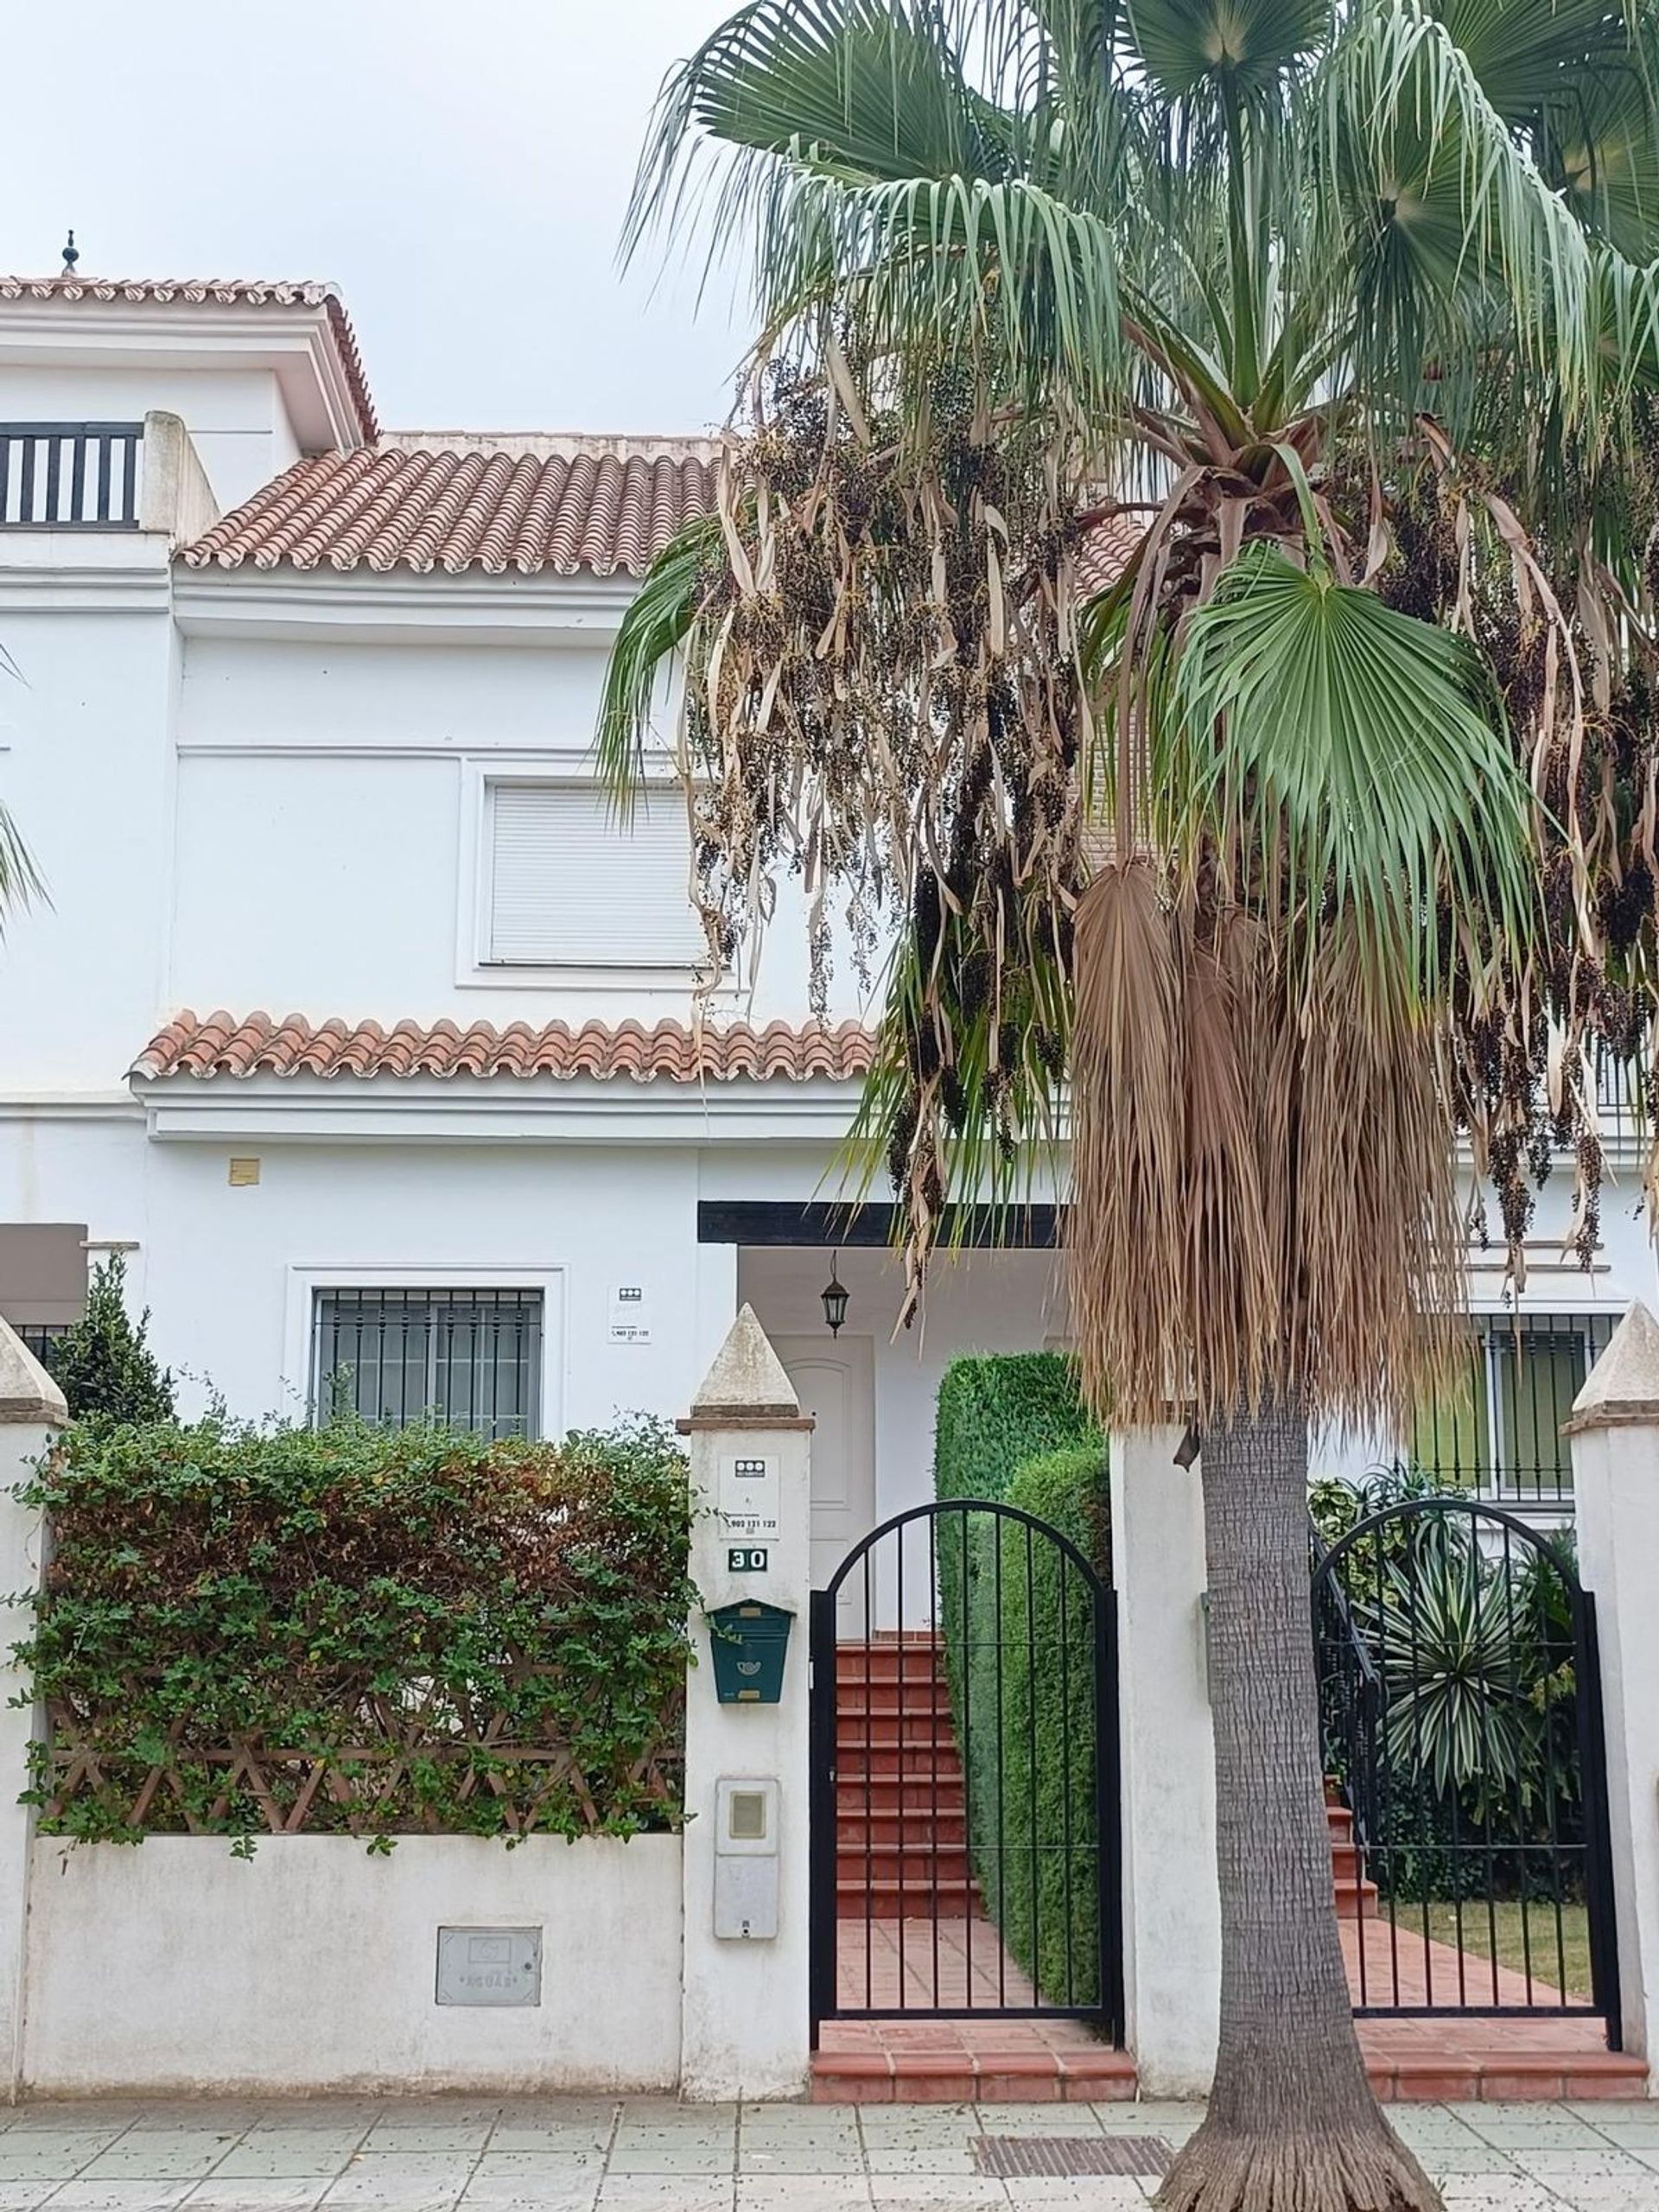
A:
[174,1967]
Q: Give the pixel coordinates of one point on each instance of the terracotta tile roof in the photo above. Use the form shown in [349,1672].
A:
[1104,554]
[222,1044]
[225,291]
[421,504]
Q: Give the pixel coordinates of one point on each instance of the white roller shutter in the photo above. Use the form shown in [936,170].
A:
[569,886]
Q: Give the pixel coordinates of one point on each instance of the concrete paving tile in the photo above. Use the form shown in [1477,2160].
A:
[550,2195]
[1046,2119]
[550,2135]
[160,2158]
[825,2158]
[121,2195]
[1102,2189]
[665,2193]
[254,2194]
[1544,2164]
[1605,2195]
[687,2157]
[435,2168]
[899,2160]
[446,2135]
[1493,2193]
[49,2143]
[1439,2159]
[288,2156]
[386,2193]
[912,2194]
[802,2193]
[1549,2129]
[438,2112]
[59,2165]
[24,2196]
[73,2115]
[581,2163]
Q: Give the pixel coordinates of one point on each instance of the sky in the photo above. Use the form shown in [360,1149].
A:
[460,169]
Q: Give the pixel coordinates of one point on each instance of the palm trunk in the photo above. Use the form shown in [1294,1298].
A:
[1293,2125]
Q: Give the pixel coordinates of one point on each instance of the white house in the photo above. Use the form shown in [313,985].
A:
[352,1016]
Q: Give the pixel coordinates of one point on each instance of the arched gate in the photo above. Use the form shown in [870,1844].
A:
[964,1815]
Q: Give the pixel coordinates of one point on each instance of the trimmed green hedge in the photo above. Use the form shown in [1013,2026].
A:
[1013,1430]
[998,1410]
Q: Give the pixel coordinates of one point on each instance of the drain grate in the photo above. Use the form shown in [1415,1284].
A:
[1012,2157]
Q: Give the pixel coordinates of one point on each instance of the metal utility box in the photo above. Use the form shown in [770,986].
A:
[746,1859]
[748,1642]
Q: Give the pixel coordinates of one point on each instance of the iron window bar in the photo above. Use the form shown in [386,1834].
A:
[470,1357]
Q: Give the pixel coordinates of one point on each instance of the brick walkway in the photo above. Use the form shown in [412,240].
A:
[551,2155]
[1410,2060]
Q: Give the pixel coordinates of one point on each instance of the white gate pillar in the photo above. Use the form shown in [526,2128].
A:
[744,2008]
[32,1411]
[1615,1436]
[1172,1898]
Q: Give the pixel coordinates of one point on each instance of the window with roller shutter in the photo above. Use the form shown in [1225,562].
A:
[571,887]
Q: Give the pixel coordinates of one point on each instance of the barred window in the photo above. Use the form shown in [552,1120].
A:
[471,1357]
[1497,1429]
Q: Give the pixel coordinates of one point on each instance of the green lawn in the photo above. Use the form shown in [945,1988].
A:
[1479,1921]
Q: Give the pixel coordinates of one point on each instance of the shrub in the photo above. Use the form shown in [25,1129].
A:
[1013,1428]
[103,1365]
[360,1630]
[1043,1885]
[995,1411]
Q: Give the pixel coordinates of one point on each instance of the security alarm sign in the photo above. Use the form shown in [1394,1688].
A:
[749,1494]
[629,1314]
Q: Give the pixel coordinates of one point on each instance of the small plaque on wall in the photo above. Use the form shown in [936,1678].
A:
[629,1314]
[489,1966]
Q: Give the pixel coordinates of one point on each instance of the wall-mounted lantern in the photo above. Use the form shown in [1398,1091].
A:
[834,1295]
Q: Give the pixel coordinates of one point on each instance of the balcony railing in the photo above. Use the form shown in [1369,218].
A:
[69,475]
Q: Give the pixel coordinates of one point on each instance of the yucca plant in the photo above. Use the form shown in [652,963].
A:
[1181,583]
[1458,1669]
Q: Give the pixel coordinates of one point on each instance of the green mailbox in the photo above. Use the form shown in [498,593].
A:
[748,1642]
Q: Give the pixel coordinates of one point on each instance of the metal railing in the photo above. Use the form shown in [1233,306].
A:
[69,475]
[470,1357]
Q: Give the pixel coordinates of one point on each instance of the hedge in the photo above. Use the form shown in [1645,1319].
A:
[1014,1430]
[360,1630]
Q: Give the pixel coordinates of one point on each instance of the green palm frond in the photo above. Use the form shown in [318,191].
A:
[1458,1671]
[1313,723]
[653,631]
[1245,46]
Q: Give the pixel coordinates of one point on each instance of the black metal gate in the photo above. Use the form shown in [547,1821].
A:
[964,1815]
[1461,1702]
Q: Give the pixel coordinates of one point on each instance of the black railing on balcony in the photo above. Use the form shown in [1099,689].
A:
[69,475]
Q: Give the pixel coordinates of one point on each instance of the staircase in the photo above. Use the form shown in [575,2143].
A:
[902,1818]
[1356,1896]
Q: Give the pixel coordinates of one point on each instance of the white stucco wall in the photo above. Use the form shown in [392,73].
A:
[173,1966]
[87,773]
[235,416]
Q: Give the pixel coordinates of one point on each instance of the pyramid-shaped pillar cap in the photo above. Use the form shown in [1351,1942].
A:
[1622,1390]
[747,1386]
[27,1391]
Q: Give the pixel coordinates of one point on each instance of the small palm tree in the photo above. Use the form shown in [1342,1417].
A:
[1181,581]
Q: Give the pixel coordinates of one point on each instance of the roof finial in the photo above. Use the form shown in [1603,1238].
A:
[71,255]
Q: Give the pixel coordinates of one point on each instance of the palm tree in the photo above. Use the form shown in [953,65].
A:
[1181,579]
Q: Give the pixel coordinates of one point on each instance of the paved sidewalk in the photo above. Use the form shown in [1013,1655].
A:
[556,2155]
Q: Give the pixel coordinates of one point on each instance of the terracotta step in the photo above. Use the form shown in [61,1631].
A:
[859,1698]
[1356,1896]
[888,1762]
[854,1832]
[910,1863]
[855,1730]
[885,1796]
[855,1664]
[917,1898]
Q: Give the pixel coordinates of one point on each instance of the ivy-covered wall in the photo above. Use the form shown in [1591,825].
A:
[247,1632]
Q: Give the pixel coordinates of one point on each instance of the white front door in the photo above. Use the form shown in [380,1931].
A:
[834,1379]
